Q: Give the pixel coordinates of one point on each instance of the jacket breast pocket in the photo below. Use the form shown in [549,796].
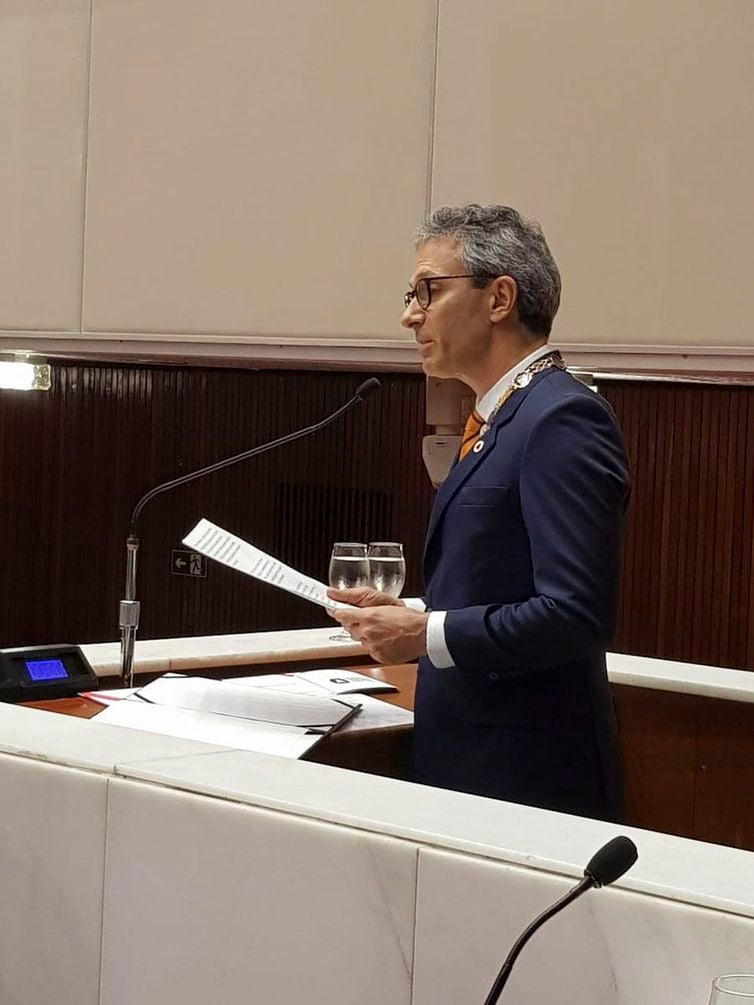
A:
[484,495]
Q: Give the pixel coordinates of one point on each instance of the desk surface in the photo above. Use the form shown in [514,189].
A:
[380,751]
[402,676]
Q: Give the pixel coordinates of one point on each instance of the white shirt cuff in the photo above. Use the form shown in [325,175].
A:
[437,648]
[415,603]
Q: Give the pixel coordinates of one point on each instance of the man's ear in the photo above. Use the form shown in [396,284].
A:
[504,295]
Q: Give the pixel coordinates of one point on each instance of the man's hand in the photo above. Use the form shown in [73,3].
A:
[362,596]
[389,631]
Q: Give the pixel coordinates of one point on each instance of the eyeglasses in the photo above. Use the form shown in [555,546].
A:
[423,289]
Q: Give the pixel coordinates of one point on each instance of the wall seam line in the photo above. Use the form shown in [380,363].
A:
[432,111]
[85,166]
[104,884]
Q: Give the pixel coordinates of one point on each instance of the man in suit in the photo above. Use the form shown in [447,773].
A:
[523,547]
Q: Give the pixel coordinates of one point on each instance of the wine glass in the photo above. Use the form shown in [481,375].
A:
[387,567]
[733,989]
[349,567]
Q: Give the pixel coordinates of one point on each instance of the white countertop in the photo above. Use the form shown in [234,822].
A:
[682,678]
[179,655]
[186,654]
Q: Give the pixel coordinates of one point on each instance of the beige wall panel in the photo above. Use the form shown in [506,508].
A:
[43,84]
[625,127]
[255,168]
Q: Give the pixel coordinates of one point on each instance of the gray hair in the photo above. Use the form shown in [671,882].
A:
[497,241]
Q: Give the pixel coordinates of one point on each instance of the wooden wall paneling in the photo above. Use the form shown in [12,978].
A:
[741,533]
[658,756]
[687,591]
[664,553]
[687,764]
[698,580]
[641,516]
[692,509]
[746,537]
[703,582]
[625,592]
[671,539]
[629,567]
[724,808]
[75,460]
[724,486]
[644,594]
[682,500]
[721,613]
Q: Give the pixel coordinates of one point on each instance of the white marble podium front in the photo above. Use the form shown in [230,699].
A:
[140,869]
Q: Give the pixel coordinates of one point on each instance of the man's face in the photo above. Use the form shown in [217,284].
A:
[453,332]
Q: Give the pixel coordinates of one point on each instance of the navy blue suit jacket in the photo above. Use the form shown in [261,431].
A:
[523,552]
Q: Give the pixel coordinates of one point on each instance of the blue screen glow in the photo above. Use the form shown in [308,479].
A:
[45,669]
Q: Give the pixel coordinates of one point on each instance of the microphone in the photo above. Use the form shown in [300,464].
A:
[368,387]
[611,862]
[130,606]
[605,866]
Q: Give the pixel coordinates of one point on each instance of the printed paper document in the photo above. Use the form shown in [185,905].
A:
[222,546]
[330,680]
[200,694]
[223,730]
[338,681]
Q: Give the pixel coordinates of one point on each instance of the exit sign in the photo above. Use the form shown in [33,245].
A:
[187,563]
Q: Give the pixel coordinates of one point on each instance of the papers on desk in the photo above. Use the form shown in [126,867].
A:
[223,730]
[226,713]
[222,546]
[375,714]
[338,681]
[372,713]
[320,712]
[332,680]
[283,714]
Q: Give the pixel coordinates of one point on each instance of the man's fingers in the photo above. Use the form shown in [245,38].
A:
[347,618]
[358,597]
[363,596]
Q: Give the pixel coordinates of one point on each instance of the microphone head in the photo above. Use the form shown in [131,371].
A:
[611,861]
[367,388]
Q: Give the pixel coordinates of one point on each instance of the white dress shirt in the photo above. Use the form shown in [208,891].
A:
[437,649]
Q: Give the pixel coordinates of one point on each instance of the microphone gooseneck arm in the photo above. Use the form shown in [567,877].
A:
[607,864]
[129,606]
[244,455]
[586,884]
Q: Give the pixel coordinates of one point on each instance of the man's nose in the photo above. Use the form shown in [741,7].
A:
[412,315]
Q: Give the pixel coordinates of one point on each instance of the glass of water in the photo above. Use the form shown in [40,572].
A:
[387,567]
[349,567]
[733,989]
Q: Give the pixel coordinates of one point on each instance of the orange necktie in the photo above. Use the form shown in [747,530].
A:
[470,433]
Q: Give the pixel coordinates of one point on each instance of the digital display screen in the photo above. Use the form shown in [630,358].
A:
[45,669]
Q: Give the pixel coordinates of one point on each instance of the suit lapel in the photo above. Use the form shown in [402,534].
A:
[462,470]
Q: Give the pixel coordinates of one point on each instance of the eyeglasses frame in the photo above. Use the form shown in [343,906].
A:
[410,295]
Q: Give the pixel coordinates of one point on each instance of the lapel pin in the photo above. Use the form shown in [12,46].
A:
[479,445]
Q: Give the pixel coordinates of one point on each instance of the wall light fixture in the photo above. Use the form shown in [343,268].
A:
[24,371]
